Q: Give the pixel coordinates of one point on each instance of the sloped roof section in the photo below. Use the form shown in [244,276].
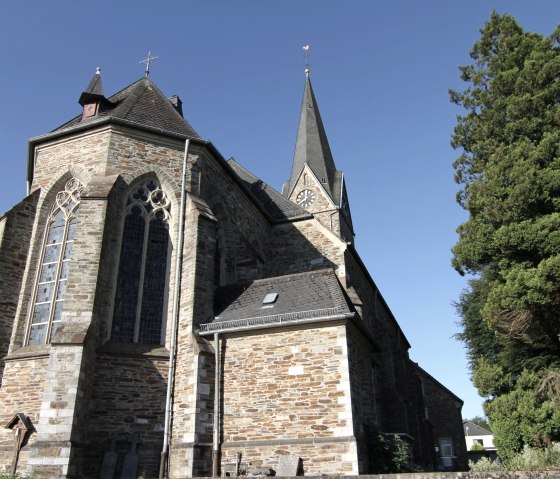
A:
[475,429]
[315,291]
[94,91]
[143,104]
[312,147]
[276,206]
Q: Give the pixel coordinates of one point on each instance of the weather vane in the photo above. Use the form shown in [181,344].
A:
[306,55]
[147,61]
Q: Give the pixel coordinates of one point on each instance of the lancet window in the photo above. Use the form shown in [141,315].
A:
[58,242]
[141,291]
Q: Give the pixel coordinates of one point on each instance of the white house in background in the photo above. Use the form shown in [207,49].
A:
[474,434]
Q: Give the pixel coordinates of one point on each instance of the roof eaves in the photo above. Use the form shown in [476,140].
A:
[426,373]
[274,321]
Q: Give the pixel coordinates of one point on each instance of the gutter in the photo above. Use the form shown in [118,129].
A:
[244,324]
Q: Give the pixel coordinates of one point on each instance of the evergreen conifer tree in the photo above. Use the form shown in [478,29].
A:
[509,173]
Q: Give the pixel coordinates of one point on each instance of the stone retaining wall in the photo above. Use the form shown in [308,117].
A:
[451,475]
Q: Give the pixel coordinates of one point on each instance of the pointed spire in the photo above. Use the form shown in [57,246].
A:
[312,146]
[94,91]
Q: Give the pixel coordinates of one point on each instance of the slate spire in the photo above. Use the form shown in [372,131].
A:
[94,91]
[312,146]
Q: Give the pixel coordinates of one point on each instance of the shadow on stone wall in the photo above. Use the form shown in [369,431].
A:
[126,412]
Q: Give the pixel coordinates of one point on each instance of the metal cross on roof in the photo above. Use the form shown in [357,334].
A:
[147,61]
[306,55]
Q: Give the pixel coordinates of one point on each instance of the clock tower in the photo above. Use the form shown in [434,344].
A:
[315,183]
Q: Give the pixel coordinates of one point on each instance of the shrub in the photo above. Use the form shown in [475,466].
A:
[529,459]
[18,475]
[477,447]
[536,458]
[391,454]
[486,465]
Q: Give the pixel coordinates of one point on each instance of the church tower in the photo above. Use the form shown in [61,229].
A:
[315,184]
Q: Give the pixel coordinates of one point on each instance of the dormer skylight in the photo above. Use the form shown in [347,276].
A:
[269,300]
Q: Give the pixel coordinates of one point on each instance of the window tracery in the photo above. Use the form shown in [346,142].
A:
[50,286]
[140,297]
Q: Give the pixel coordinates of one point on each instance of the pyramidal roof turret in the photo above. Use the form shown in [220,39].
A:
[312,147]
[94,91]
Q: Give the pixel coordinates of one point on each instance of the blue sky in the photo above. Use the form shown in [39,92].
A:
[380,70]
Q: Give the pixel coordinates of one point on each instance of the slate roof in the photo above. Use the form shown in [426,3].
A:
[93,90]
[141,103]
[312,147]
[475,429]
[302,292]
[272,202]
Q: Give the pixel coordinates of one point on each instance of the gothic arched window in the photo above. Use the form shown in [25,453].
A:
[50,286]
[141,292]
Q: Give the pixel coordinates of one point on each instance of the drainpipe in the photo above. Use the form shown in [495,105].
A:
[216,445]
[175,317]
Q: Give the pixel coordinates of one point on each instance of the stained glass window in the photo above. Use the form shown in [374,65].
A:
[140,297]
[48,299]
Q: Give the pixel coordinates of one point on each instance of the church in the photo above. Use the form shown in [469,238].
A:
[165,313]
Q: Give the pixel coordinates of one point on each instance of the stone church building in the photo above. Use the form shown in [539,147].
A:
[165,312]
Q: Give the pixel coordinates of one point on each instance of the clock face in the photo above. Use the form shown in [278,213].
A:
[90,110]
[305,198]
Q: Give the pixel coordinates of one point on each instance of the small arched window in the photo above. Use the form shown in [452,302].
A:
[141,291]
[48,298]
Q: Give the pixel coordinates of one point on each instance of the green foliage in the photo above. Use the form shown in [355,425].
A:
[509,174]
[523,416]
[487,465]
[477,447]
[8,475]
[536,458]
[391,454]
[528,459]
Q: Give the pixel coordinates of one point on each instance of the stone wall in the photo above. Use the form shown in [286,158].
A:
[128,398]
[21,391]
[444,413]
[244,229]
[288,391]
[191,385]
[15,236]
[316,246]
[365,394]
[448,475]
[323,208]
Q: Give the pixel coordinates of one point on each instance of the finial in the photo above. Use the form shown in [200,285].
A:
[98,71]
[147,62]
[306,55]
